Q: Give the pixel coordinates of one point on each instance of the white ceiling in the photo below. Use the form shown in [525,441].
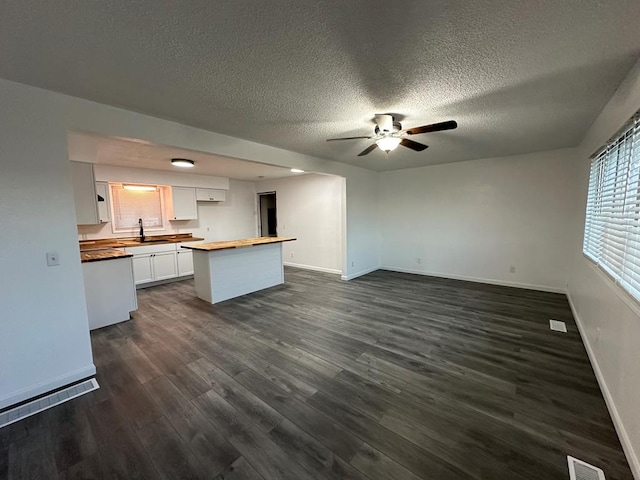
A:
[518,76]
[140,154]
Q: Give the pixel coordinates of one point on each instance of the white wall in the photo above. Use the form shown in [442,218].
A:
[474,220]
[45,337]
[309,208]
[609,320]
[229,220]
[44,333]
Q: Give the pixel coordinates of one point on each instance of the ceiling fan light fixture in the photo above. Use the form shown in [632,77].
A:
[388,143]
[182,162]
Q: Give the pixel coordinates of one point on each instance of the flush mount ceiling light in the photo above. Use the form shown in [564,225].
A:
[140,188]
[388,143]
[296,170]
[182,162]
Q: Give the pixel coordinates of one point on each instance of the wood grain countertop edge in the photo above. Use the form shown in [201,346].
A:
[241,243]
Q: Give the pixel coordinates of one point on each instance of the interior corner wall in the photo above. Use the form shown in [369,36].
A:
[608,318]
[475,220]
[309,208]
[44,331]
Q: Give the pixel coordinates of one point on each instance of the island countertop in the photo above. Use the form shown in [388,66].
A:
[103,254]
[245,242]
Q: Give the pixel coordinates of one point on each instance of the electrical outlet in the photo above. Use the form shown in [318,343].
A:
[207,229]
[353,264]
[512,269]
[291,254]
[418,260]
[53,259]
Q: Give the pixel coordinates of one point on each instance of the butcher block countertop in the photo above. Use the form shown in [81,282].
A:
[101,244]
[245,242]
[103,254]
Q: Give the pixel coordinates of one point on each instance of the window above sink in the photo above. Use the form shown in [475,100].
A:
[131,202]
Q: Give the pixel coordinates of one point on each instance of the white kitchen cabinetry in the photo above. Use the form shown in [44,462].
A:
[84,193]
[185,262]
[210,195]
[154,263]
[164,265]
[184,204]
[102,196]
[109,291]
[142,268]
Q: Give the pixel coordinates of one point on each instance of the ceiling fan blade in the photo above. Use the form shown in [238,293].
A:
[345,138]
[418,147]
[435,127]
[367,150]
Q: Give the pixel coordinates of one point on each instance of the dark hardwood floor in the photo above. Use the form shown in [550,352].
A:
[389,376]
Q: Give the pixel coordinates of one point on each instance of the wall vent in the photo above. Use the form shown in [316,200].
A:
[558,326]
[579,470]
[47,401]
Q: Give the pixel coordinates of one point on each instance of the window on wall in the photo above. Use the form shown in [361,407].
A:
[612,227]
[129,203]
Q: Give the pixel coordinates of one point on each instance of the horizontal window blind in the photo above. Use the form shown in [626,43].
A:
[612,226]
[131,205]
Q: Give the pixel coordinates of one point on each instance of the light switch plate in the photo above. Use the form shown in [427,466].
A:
[53,259]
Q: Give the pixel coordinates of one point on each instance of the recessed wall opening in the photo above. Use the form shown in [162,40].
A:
[267,217]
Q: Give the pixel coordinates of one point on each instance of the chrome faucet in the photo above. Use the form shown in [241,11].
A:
[141,230]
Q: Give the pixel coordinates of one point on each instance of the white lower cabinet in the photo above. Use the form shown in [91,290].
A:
[142,268]
[185,262]
[153,263]
[164,265]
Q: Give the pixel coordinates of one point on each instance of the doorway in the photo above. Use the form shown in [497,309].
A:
[268,214]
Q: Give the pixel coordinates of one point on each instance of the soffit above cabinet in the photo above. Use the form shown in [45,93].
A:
[138,154]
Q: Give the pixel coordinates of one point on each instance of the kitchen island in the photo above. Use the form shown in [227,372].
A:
[224,270]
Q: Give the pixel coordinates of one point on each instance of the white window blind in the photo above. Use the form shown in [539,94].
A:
[612,227]
[131,205]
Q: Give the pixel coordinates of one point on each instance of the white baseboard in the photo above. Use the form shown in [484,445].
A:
[359,274]
[632,458]
[44,387]
[527,286]
[311,267]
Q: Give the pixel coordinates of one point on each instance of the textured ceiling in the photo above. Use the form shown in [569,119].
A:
[518,76]
[137,154]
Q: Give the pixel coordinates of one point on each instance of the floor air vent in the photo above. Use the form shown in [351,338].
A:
[51,400]
[558,326]
[579,470]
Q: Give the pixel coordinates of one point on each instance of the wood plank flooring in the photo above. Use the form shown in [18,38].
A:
[389,376]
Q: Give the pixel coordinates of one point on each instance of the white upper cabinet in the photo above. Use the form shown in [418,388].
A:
[84,193]
[102,195]
[184,203]
[210,195]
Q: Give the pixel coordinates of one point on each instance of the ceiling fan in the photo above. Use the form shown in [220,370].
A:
[388,134]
